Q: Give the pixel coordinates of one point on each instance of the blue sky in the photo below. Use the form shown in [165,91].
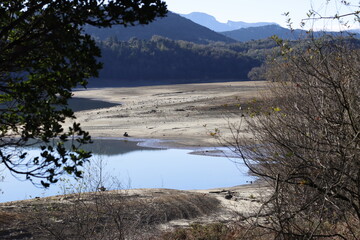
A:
[263,10]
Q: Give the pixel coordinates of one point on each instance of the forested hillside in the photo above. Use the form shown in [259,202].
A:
[164,61]
[255,33]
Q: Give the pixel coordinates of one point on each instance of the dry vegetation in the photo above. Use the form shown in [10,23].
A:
[308,135]
[101,215]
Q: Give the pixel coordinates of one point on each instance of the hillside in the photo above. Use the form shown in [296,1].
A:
[255,33]
[173,26]
[263,32]
[165,61]
[211,22]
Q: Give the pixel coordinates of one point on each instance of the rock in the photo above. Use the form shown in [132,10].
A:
[228,196]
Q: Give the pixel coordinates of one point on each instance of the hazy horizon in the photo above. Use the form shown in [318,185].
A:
[268,11]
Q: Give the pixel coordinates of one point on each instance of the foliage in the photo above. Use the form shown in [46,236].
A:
[262,32]
[121,214]
[161,59]
[307,141]
[216,231]
[257,73]
[44,55]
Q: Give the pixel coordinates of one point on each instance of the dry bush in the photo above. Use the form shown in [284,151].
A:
[120,215]
[216,231]
[307,141]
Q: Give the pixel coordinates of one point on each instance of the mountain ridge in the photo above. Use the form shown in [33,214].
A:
[263,32]
[210,22]
[173,26]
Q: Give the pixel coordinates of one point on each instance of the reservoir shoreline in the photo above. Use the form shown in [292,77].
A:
[171,116]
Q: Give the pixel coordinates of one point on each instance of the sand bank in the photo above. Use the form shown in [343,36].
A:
[183,115]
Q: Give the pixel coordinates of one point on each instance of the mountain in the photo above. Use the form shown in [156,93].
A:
[255,33]
[173,27]
[355,31]
[211,22]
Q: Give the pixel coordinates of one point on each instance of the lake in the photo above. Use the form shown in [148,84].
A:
[126,164]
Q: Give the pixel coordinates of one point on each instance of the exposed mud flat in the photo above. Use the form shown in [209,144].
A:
[184,114]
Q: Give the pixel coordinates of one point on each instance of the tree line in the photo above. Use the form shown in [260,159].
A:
[163,59]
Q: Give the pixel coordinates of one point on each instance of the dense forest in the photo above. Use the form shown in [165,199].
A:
[162,61]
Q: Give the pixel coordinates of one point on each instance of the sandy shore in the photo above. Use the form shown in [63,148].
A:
[184,115]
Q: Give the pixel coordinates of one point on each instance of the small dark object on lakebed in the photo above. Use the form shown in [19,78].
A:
[229,195]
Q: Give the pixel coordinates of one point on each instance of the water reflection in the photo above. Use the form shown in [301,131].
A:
[140,167]
[109,147]
[81,104]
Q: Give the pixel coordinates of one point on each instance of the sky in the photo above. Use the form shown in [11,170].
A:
[266,10]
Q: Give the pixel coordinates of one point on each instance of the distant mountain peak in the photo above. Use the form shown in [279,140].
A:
[263,32]
[210,22]
[173,27]
[200,14]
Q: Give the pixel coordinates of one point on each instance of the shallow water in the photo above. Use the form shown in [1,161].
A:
[127,165]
